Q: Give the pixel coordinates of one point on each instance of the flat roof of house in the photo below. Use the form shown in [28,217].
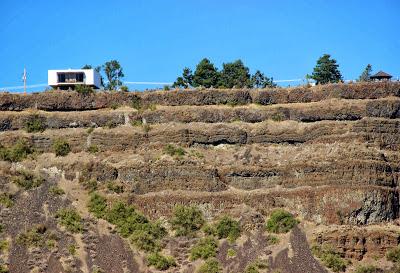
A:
[71,70]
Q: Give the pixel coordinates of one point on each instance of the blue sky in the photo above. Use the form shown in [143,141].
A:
[154,39]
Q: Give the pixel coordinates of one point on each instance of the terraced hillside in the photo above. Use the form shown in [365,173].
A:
[94,183]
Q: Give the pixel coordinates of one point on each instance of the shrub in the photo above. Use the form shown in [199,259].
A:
[278,117]
[174,151]
[56,190]
[4,245]
[124,88]
[125,218]
[281,221]
[70,219]
[89,185]
[3,269]
[231,252]
[61,147]
[6,200]
[111,124]
[90,130]
[27,180]
[112,186]
[97,205]
[137,122]
[17,152]
[329,257]
[210,230]
[136,103]
[186,220]
[393,255]
[210,266]
[256,265]
[84,89]
[368,269]
[147,237]
[272,239]
[92,149]
[227,228]
[33,238]
[251,268]
[72,249]
[160,262]
[114,106]
[204,249]
[34,124]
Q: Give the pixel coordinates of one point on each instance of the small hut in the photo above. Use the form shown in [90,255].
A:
[381,76]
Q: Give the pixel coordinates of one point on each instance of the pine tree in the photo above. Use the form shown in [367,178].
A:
[259,80]
[365,76]
[326,70]
[206,74]
[234,74]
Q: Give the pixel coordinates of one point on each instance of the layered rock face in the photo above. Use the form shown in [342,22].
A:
[329,155]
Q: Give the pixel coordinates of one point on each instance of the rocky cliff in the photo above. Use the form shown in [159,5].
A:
[327,154]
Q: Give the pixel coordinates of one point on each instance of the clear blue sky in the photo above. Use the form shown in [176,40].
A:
[154,39]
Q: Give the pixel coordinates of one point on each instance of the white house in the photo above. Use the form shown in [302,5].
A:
[68,78]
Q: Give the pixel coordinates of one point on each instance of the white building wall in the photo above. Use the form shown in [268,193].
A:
[92,77]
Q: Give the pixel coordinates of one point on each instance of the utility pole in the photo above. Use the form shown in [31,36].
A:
[24,79]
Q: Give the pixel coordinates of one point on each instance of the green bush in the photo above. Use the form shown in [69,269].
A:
[210,266]
[83,89]
[97,205]
[114,106]
[251,268]
[125,218]
[368,269]
[61,147]
[186,220]
[89,185]
[27,180]
[147,237]
[113,187]
[136,103]
[281,221]
[231,253]
[124,88]
[6,200]
[256,266]
[3,269]
[17,152]
[329,257]
[174,151]
[72,249]
[56,190]
[272,239]
[205,248]
[4,245]
[92,149]
[137,122]
[33,238]
[160,262]
[393,255]
[70,219]
[227,228]
[34,124]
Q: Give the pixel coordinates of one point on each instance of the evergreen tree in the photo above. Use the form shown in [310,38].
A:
[259,80]
[184,81]
[365,76]
[326,70]
[234,74]
[206,74]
